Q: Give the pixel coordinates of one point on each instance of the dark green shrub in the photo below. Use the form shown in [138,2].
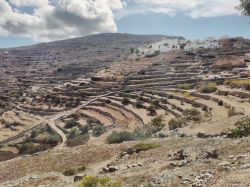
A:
[70,172]
[139,103]
[220,103]
[99,130]
[242,129]
[30,148]
[157,124]
[175,123]
[71,123]
[119,137]
[125,100]
[192,115]
[151,110]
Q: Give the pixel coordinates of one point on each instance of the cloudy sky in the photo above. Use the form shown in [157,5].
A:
[24,22]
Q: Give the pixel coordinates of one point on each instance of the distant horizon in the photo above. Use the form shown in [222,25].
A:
[37,43]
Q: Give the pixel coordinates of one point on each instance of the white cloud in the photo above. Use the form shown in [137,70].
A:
[29,3]
[192,8]
[58,20]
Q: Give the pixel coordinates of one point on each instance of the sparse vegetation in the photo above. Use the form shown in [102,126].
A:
[99,130]
[156,53]
[185,86]
[142,147]
[151,110]
[74,170]
[208,88]
[176,123]
[192,115]
[125,100]
[157,124]
[91,181]
[119,137]
[76,137]
[71,123]
[244,84]
[242,129]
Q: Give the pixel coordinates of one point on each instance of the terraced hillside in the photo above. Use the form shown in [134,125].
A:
[157,119]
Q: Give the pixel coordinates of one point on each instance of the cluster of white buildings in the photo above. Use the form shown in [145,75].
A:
[168,44]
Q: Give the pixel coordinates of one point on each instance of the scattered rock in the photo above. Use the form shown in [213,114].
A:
[78,178]
[224,166]
[245,166]
[213,153]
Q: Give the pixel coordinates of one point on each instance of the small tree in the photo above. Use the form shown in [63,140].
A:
[244,7]
[151,110]
[125,101]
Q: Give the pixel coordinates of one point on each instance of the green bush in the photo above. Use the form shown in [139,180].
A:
[142,147]
[71,123]
[151,110]
[208,88]
[185,86]
[90,181]
[242,129]
[157,124]
[220,103]
[139,103]
[99,130]
[70,172]
[125,100]
[175,123]
[119,137]
[192,115]
[79,140]
[75,138]
[30,148]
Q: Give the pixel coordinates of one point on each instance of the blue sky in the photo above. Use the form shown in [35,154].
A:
[25,22]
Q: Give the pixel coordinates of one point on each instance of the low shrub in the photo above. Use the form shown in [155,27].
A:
[91,181]
[74,170]
[6,155]
[30,148]
[192,115]
[139,102]
[156,124]
[75,138]
[71,123]
[208,88]
[125,100]
[156,53]
[220,103]
[99,130]
[185,86]
[142,147]
[119,137]
[176,123]
[151,110]
[242,129]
